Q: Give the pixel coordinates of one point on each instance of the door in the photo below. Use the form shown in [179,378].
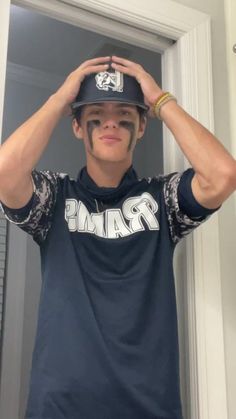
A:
[141,25]
[30,81]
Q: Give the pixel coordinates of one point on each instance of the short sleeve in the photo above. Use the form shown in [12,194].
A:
[187,202]
[180,223]
[36,216]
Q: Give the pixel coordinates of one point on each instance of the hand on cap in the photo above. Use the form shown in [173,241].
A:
[67,93]
[150,88]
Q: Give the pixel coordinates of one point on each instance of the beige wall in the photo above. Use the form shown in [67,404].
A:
[215,8]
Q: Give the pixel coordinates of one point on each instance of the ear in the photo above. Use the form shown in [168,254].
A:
[142,127]
[77,129]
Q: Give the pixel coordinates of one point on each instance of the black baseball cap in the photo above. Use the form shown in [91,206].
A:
[109,86]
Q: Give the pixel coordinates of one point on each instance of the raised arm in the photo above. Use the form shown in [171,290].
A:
[215,168]
[22,150]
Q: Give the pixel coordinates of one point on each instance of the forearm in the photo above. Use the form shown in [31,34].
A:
[215,168]
[22,150]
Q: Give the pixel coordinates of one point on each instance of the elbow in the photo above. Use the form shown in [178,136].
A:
[226,183]
[216,189]
[230,177]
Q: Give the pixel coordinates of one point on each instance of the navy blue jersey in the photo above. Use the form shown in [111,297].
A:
[106,345]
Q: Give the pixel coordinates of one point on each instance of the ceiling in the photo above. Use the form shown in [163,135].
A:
[55,47]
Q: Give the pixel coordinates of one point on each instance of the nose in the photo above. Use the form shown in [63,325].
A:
[110,123]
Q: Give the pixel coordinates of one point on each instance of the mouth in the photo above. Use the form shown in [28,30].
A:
[110,139]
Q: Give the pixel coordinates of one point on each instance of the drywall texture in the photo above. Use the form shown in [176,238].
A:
[227,218]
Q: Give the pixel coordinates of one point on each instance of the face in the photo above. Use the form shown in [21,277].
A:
[110,130]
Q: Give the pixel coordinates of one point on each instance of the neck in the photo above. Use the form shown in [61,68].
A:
[107,174]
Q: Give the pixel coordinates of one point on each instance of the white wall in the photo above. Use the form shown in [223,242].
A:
[215,8]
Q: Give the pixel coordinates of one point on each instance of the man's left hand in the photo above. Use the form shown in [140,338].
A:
[150,88]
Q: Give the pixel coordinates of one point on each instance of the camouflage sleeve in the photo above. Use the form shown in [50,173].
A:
[180,224]
[36,217]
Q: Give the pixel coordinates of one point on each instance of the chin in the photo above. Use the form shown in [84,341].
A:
[114,157]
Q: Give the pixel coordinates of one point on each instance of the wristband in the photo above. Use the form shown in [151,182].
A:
[164,98]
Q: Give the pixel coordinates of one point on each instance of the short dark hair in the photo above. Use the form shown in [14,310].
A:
[142,112]
[77,114]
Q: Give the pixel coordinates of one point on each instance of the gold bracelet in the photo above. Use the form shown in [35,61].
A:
[159,99]
[164,98]
[168,99]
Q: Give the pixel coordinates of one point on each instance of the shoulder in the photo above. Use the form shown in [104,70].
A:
[48,178]
[162,180]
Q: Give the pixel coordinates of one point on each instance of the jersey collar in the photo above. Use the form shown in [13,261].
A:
[86,182]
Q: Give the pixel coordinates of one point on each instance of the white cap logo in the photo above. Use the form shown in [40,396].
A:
[113,81]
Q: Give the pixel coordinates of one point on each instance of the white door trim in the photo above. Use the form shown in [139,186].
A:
[187,72]
[193,87]
[4,19]
[230,11]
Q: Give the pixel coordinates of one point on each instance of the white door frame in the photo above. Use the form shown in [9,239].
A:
[230,11]
[187,72]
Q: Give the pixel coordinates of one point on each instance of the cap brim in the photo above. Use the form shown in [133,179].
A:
[77,105]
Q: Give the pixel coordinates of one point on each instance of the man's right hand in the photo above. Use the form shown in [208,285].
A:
[67,93]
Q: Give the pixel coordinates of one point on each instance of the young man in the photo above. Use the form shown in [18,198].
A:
[106,344]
